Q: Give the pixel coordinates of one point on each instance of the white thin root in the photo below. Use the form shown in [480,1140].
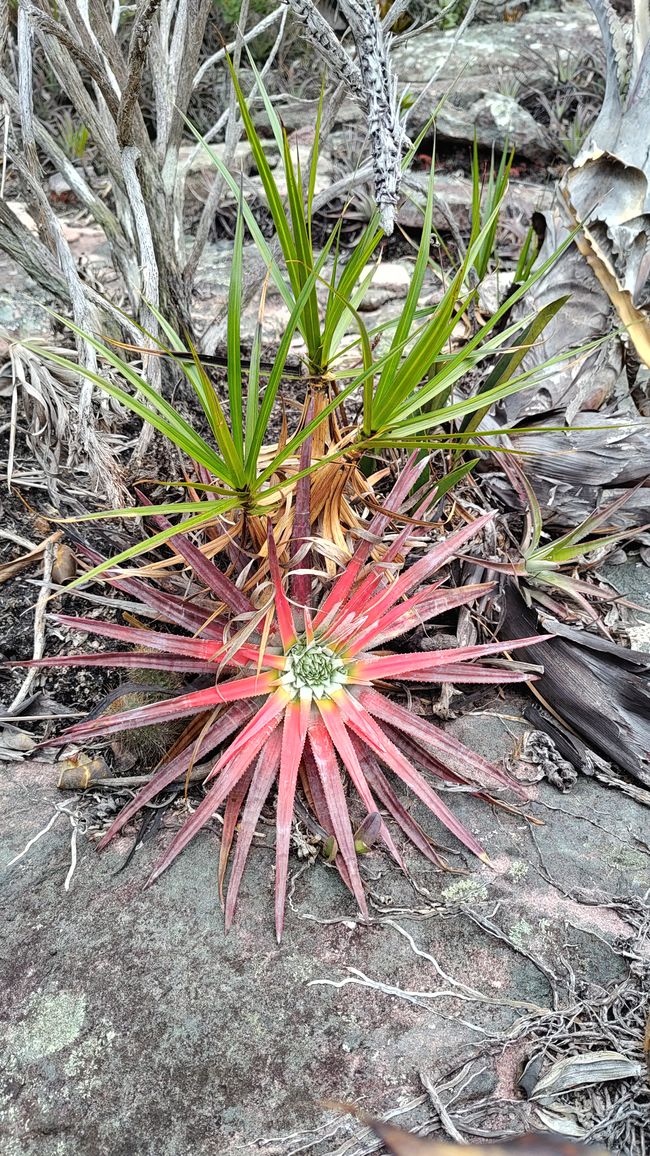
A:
[60,809]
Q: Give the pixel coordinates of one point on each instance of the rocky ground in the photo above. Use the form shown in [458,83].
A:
[133,1025]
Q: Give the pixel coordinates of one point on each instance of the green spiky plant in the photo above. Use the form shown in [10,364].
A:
[305,701]
[543,569]
[488,195]
[407,398]
[234,471]
[408,391]
[237,472]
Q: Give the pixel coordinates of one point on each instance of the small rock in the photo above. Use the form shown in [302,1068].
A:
[493,290]
[453,193]
[498,118]
[58,188]
[640,636]
[391,280]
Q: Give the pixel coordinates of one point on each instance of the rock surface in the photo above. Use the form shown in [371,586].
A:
[132,1025]
[453,197]
[482,79]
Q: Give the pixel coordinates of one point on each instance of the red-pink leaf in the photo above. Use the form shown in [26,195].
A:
[210,650]
[169,607]
[448,750]
[393,804]
[343,585]
[262,724]
[314,787]
[231,815]
[301,530]
[216,582]
[378,576]
[425,567]
[469,674]
[348,755]
[207,807]
[417,610]
[328,769]
[121,658]
[365,726]
[396,665]
[293,741]
[230,721]
[282,607]
[180,707]
[265,771]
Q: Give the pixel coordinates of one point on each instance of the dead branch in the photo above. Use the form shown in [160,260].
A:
[46,24]
[140,38]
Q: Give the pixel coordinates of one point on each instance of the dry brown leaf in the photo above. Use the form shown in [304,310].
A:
[64,567]
[401,1143]
[581,1070]
[17,565]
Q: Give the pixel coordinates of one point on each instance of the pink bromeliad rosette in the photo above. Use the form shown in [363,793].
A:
[304,703]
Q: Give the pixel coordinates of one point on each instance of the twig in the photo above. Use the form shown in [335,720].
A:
[324,40]
[384,126]
[140,38]
[445,1119]
[233,136]
[150,282]
[89,61]
[39,625]
[17,565]
[252,34]
[18,541]
[35,838]
[73,855]
[395,12]
[463,991]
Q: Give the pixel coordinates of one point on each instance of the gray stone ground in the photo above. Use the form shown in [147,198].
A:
[133,1026]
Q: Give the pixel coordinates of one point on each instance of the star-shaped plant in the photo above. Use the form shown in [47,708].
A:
[307,701]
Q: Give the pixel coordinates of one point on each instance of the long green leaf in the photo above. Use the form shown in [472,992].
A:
[213,510]
[175,429]
[253,391]
[195,374]
[252,225]
[304,258]
[599,516]
[234,335]
[508,363]
[344,291]
[404,325]
[275,376]
[459,409]
[406,402]
[313,164]
[274,200]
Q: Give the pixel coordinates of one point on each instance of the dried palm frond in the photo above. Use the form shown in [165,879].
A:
[598,689]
